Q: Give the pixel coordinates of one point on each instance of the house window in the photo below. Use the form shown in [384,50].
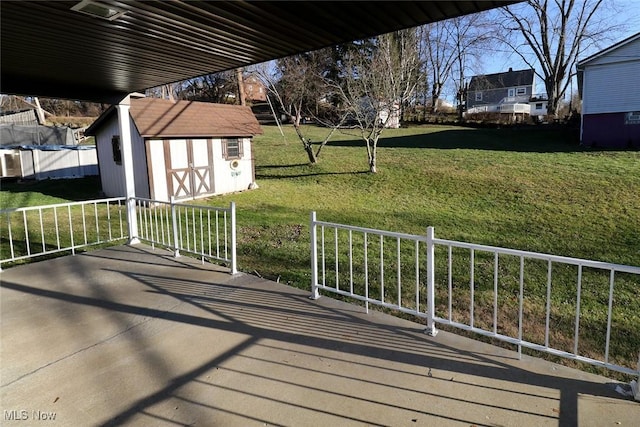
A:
[117,150]
[539,106]
[232,148]
[521,91]
[478,96]
[512,92]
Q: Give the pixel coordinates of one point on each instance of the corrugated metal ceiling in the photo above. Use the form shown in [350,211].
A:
[50,50]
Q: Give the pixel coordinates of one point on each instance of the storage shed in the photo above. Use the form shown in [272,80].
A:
[183,149]
[608,86]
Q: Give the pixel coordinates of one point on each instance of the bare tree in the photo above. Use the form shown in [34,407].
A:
[550,36]
[375,84]
[298,88]
[220,88]
[450,44]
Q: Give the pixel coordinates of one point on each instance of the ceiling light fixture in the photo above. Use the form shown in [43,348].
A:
[98,10]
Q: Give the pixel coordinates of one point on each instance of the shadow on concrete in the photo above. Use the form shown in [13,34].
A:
[291,345]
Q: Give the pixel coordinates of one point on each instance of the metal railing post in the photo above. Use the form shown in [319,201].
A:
[431,278]
[314,257]
[132,221]
[234,259]
[174,220]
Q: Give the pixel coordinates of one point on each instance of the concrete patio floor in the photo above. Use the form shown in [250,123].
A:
[131,336]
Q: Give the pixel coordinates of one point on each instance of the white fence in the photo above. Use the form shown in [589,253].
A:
[33,162]
[524,298]
[39,231]
[45,230]
[207,232]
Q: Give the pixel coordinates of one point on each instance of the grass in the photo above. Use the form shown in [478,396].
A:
[16,194]
[543,195]
[531,188]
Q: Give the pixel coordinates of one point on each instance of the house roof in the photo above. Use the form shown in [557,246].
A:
[608,50]
[56,49]
[507,79]
[160,118]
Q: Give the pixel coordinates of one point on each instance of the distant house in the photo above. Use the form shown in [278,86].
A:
[538,107]
[183,149]
[608,83]
[504,93]
[254,89]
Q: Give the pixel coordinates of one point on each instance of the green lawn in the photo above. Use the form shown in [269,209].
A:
[518,188]
[531,189]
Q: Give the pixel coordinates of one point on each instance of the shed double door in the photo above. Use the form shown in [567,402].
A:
[189,166]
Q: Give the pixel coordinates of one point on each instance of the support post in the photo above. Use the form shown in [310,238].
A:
[174,222]
[126,148]
[234,258]
[314,257]
[431,326]
[635,385]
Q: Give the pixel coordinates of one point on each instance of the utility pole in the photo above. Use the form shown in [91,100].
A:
[241,93]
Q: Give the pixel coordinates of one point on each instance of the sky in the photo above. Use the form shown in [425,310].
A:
[499,62]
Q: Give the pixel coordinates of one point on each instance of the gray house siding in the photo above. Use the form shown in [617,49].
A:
[491,89]
[608,83]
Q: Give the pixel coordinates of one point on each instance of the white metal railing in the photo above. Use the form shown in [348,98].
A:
[208,232]
[43,230]
[31,232]
[506,294]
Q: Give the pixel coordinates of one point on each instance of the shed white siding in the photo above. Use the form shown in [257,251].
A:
[181,150]
[157,169]
[611,87]
[227,178]
[111,173]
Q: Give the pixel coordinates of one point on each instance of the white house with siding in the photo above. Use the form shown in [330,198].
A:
[182,149]
[609,85]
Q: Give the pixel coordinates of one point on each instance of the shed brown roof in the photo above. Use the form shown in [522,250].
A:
[155,117]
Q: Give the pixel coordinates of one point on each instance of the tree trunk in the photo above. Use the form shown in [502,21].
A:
[328,137]
[553,101]
[372,155]
[306,144]
[435,95]
[312,157]
[372,165]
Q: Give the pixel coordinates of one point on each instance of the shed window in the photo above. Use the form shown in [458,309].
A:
[117,151]
[232,148]
[478,96]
